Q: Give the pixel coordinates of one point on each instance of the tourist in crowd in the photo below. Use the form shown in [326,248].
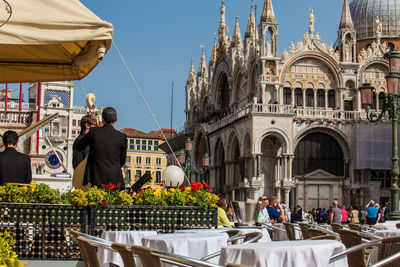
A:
[386,211]
[222,218]
[275,210]
[263,215]
[362,215]
[229,212]
[324,218]
[344,214]
[371,213]
[297,214]
[336,213]
[353,215]
[309,217]
[379,219]
[288,215]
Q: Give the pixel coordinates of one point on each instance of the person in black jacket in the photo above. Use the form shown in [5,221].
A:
[77,156]
[15,167]
[107,152]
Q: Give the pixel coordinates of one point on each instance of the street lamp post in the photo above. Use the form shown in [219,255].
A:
[185,160]
[391,107]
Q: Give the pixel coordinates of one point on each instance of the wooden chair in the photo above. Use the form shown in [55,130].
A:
[316,232]
[290,231]
[351,238]
[126,254]
[233,233]
[90,251]
[145,256]
[336,227]
[332,237]
[388,247]
[74,236]
[252,237]
[355,227]
[304,230]
[398,225]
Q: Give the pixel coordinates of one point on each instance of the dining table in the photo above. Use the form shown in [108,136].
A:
[107,257]
[194,245]
[298,253]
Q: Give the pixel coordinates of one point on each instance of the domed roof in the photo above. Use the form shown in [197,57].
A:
[364,12]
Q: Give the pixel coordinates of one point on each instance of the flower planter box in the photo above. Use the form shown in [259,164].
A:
[40,229]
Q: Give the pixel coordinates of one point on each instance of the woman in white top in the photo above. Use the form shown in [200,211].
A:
[263,215]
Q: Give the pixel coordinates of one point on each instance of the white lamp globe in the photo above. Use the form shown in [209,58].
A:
[173,176]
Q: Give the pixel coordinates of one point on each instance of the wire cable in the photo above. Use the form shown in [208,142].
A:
[148,107]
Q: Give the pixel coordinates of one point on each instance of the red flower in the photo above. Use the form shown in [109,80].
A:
[182,187]
[193,184]
[194,189]
[199,185]
[119,184]
[103,185]
[113,187]
[108,187]
[207,186]
[104,203]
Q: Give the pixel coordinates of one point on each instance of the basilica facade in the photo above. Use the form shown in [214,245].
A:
[292,124]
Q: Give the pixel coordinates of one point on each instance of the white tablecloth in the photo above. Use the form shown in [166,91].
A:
[265,239]
[386,225]
[299,253]
[387,233]
[126,237]
[194,245]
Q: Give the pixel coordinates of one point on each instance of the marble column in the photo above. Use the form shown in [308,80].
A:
[292,96]
[304,98]
[315,98]
[287,192]
[326,99]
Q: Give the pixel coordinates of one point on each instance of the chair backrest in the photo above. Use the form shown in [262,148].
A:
[126,254]
[355,226]
[234,232]
[90,251]
[250,236]
[290,232]
[398,225]
[74,236]
[147,259]
[304,230]
[316,232]
[332,237]
[388,247]
[336,227]
[351,238]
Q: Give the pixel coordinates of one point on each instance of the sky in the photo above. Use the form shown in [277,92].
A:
[158,38]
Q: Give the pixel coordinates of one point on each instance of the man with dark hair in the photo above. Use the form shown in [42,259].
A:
[15,167]
[107,152]
[77,156]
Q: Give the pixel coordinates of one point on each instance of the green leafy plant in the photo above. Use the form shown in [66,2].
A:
[44,194]
[8,257]
[123,198]
[95,196]
[17,194]
[151,196]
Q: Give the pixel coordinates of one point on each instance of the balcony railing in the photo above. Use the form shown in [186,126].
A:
[287,111]
[12,117]
[15,106]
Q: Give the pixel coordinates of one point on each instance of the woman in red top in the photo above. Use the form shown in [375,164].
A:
[344,214]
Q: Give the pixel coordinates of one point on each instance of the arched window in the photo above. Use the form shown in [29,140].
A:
[318,151]
[287,96]
[320,98]
[331,99]
[309,98]
[298,100]
[381,100]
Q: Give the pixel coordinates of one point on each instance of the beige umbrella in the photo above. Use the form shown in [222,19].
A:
[50,40]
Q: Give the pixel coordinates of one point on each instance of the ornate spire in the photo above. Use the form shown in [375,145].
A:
[237,37]
[268,14]
[251,25]
[214,51]
[203,66]
[346,22]
[222,24]
[192,75]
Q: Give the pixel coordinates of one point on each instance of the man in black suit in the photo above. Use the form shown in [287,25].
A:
[77,156]
[15,167]
[107,152]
